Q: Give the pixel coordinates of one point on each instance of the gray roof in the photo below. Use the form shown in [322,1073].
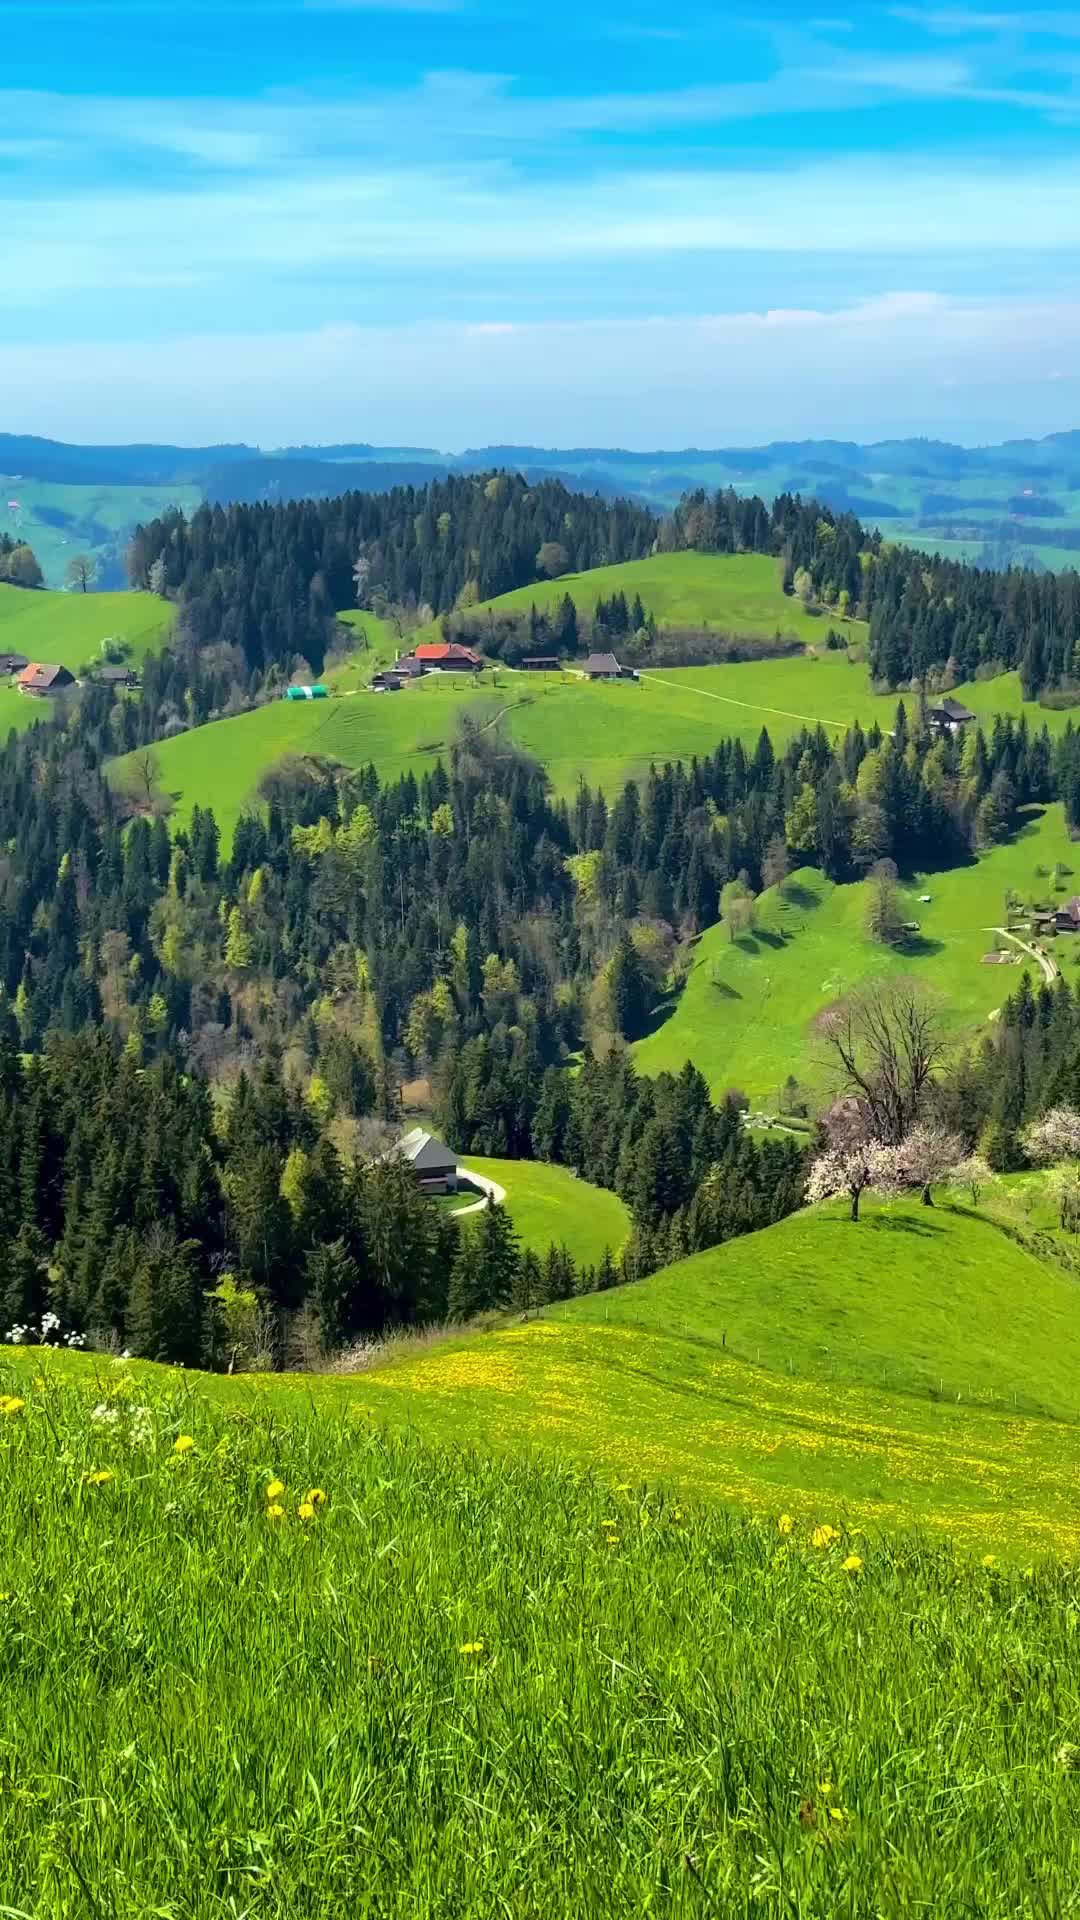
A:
[424,1152]
[602,663]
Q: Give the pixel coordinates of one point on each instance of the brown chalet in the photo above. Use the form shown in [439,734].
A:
[13,663]
[603,666]
[949,716]
[41,679]
[1067,917]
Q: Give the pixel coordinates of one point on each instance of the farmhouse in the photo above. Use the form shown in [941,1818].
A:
[39,679]
[1067,917]
[13,663]
[603,666]
[117,676]
[448,656]
[389,681]
[541,663]
[434,1165]
[949,716]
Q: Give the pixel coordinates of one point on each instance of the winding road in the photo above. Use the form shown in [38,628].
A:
[490,1190]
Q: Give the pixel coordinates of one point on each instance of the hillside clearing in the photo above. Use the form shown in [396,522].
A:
[732,593]
[68,628]
[746,1013]
[549,1206]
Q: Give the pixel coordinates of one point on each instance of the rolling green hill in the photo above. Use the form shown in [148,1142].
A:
[745,1015]
[69,628]
[897,1375]
[60,520]
[550,1207]
[740,594]
[605,734]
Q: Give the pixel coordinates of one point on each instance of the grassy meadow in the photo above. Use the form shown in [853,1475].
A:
[550,1206]
[746,1013]
[68,628]
[735,593]
[261,1659]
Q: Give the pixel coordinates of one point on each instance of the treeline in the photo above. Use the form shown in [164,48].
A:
[932,621]
[270,579]
[689,1172]
[1027,1065]
[143,1219]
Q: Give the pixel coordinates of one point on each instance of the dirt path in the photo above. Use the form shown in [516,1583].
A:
[1050,969]
[754,706]
[490,1190]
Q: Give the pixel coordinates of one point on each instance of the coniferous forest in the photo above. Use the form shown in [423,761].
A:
[201,1053]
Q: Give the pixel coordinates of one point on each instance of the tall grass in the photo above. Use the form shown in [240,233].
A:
[461,1687]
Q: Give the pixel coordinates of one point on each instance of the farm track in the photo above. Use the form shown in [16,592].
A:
[1050,969]
[752,706]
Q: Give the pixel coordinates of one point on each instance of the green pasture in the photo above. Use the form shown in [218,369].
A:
[900,1370]
[460,1683]
[68,628]
[550,1207]
[746,1013]
[735,593]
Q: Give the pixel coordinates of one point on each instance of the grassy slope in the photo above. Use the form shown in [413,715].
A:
[825,1399]
[467,1688]
[69,628]
[549,1206]
[734,593]
[746,1013]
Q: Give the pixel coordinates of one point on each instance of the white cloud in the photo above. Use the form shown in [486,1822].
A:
[347,225]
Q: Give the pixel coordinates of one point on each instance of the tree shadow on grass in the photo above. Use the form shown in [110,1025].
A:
[770,938]
[799,896]
[902,1223]
[726,991]
[916,946]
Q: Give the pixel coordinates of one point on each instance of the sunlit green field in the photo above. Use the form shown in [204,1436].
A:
[746,1014]
[454,1685]
[549,1206]
[59,521]
[68,628]
[735,593]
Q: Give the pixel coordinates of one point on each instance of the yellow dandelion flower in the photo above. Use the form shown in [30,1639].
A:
[825,1536]
[989,1559]
[306,1510]
[785,1524]
[183,1444]
[274,1511]
[99,1478]
[825,1788]
[316,1497]
[853,1563]
[10,1404]
[275,1490]
[472,1646]
[836,1813]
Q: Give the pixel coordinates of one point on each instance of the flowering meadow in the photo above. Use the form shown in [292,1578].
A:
[259,1658]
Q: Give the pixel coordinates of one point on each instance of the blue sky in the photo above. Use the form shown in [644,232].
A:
[447,222]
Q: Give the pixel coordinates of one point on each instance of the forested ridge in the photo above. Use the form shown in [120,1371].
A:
[202,1055]
[268,581]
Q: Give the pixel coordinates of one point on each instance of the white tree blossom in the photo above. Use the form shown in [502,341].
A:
[975,1174]
[851,1170]
[929,1153]
[1053,1138]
